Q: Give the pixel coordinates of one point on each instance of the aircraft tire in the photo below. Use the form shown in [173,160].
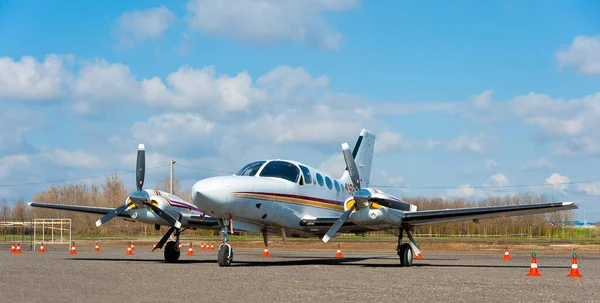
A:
[172,252]
[406,255]
[224,259]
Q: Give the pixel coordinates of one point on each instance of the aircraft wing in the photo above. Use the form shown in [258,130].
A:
[423,217]
[78,208]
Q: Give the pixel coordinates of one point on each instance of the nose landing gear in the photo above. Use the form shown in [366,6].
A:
[225,255]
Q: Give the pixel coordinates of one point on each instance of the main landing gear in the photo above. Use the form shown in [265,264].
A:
[172,252]
[405,251]
[225,255]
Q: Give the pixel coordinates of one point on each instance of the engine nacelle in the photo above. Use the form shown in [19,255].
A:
[373,199]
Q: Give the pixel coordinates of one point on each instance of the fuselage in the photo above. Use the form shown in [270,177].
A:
[273,192]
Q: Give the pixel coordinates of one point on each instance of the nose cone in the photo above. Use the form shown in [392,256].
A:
[210,192]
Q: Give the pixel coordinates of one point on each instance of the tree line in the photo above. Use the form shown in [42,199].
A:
[113,192]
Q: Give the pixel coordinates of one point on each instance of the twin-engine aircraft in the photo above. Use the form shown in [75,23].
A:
[288,197]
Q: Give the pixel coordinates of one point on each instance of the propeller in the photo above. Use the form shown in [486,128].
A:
[140,197]
[353,171]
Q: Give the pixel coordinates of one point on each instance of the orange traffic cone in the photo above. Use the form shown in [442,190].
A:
[129,251]
[506,254]
[202,245]
[18,250]
[180,246]
[212,247]
[190,250]
[533,270]
[338,253]
[97,248]
[266,252]
[13,249]
[574,268]
[73,251]
[132,246]
[42,249]
[418,256]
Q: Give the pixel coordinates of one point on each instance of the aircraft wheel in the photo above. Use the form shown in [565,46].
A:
[406,255]
[172,252]
[225,255]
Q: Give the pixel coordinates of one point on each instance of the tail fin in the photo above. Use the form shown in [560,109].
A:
[363,156]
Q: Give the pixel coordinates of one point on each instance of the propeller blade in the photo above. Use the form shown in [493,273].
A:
[164,239]
[113,214]
[351,164]
[140,169]
[353,171]
[336,226]
[166,216]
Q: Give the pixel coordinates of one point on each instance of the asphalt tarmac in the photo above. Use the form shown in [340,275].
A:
[291,276]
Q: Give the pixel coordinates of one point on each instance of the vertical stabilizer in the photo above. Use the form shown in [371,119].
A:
[363,156]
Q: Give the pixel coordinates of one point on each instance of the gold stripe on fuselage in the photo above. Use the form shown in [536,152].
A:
[290,200]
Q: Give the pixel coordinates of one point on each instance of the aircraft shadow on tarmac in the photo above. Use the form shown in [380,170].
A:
[304,261]
[139,260]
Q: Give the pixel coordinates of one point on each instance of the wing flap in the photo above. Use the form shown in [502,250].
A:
[423,217]
[77,208]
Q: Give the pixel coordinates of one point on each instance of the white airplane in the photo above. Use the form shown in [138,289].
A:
[283,196]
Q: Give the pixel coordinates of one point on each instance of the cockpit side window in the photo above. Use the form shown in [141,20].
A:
[306,173]
[282,170]
[250,169]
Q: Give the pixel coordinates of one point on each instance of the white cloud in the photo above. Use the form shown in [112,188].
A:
[592,188]
[269,21]
[499,179]
[141,25]
[390,141]
[30,80]
[483,101]
[287,85]
[73,158]
[15,124]
[315,124]
[573,126]
[99,83]
[558,182]
[334,165]
[490,164]
[477,144]
[538,164]
[583,54]
[9,163]
[173,130]
[464,191]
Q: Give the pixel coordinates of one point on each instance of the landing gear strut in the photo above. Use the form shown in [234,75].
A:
[225,255]
[405,251]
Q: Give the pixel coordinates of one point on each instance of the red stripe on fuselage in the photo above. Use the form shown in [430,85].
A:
[340,203]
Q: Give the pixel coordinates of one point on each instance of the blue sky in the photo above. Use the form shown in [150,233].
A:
[466,95]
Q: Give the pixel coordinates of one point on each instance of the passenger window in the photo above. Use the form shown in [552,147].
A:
[282,170]
[250,169]
[306,173]
[328,181]
[337,186]
[319,179]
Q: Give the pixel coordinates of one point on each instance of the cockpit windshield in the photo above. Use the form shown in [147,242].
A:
[281,169]
[250,169]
